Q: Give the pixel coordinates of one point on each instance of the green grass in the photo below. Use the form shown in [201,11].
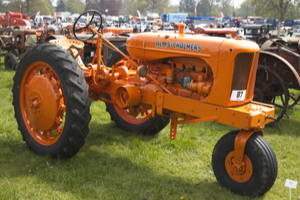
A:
[114,164]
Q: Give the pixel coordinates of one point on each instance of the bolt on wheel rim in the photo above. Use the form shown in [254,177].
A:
[42,103]
[239,172]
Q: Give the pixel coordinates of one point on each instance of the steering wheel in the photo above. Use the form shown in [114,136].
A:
[78,29]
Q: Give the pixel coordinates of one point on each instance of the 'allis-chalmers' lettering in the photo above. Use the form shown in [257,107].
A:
[178,45]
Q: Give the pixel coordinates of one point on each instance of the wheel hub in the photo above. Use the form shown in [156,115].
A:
[42,102]
[36,106]
[239,172]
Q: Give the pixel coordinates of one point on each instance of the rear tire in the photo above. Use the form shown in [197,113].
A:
[264,165]
[56,127]
[115,57]
[147,124]
[10,61]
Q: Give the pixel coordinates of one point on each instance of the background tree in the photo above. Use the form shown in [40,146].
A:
[156,6]
[50,6]
[274,8]
[2,6]
[226,8]
[245,9]
[74,6]
[112,6]
[30,7]
[203,8]
[144,6]
[131,6]
[39,5]
[13,6]
[60,6]
[187,6]
[172,9]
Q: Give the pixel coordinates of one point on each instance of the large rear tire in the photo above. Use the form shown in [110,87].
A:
[135,118]
[141,121]
[51,102]
[260,165]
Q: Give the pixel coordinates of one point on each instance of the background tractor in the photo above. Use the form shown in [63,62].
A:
[156,79]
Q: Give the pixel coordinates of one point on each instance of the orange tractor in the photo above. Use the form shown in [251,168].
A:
[158,78]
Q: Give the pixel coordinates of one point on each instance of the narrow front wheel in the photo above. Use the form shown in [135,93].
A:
[258,171]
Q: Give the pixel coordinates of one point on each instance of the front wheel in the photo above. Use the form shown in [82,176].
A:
[51,102]
[260,165]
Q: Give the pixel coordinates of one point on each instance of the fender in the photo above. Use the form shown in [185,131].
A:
[281,66]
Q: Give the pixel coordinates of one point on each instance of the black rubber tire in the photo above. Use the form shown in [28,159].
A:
[263,161]
[76,99]
[115,56]
[10,61]
[151,127]
[44,33]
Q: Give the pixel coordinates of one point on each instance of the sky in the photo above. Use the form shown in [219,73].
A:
[237,3]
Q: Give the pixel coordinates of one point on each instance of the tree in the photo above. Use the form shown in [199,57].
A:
[272,8]
[203,8]
[2,6]
[39,5]
[50,6]
[187,6]
[113,6]
[156,6]
[13,6]
[130,7]
[29,7]
[225,7]
[172,9]
[246,9]
[74,6]
[60,6]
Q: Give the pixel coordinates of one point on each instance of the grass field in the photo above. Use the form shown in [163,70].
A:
[114,164]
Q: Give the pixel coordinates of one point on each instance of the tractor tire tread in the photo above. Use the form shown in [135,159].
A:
[12,65]
[76,95]
[262,179]
[44,33]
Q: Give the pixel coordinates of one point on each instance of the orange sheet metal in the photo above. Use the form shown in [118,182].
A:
[251,115]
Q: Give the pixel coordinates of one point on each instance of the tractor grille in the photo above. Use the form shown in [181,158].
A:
[241,73]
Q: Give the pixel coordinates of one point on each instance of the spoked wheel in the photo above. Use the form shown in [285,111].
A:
[137,118]
[10,61]
[259,170]
[51,103]
[67,31]
[270,88]
[46,33]
[294,100]
[90,16]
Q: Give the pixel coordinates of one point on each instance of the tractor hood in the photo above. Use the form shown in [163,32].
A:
[157,46]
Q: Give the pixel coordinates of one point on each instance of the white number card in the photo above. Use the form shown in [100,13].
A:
[291,184]
[238,95]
